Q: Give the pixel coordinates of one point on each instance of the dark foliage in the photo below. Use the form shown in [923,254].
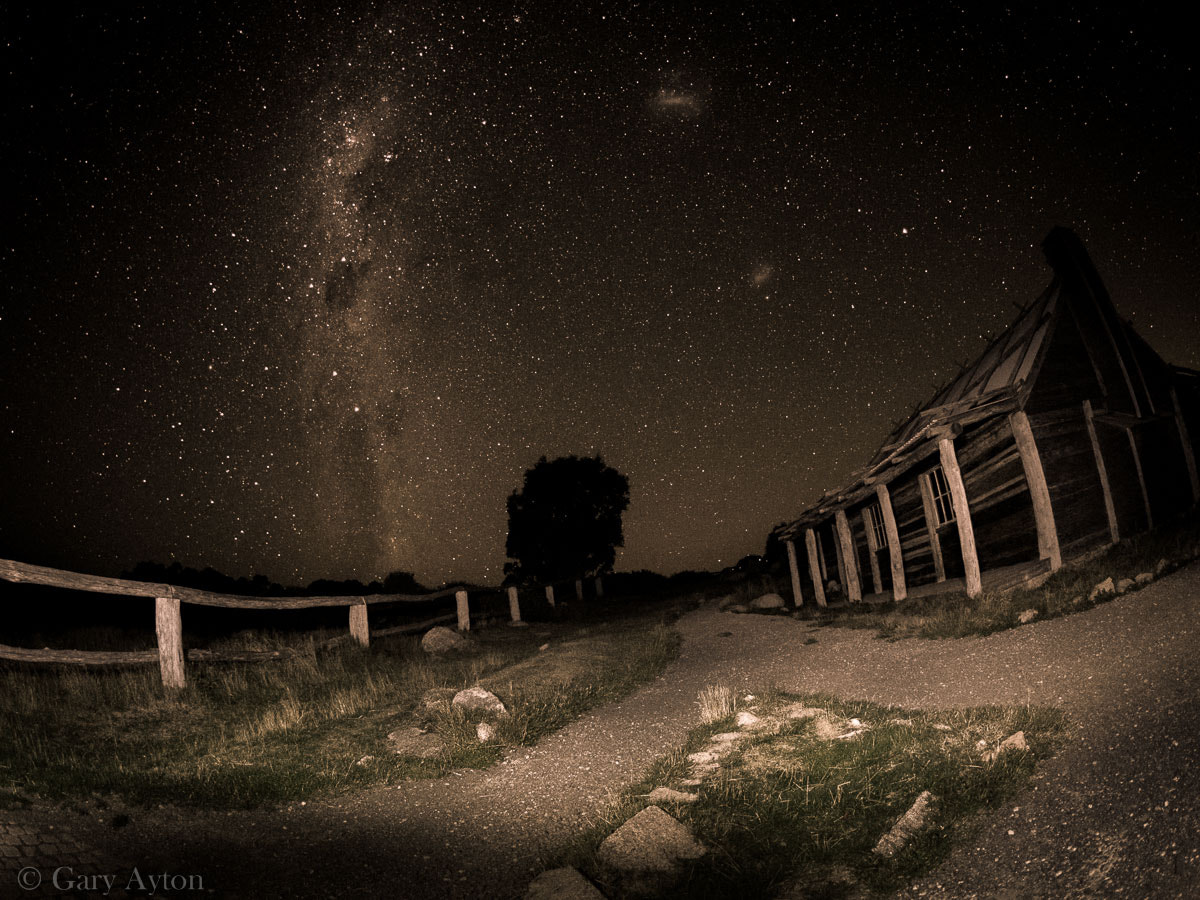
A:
[565,522]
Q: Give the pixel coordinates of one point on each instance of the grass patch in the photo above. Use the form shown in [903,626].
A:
[956,615]
[242,735]
[789,804]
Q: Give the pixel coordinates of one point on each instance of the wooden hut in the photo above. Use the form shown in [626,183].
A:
[1066,434]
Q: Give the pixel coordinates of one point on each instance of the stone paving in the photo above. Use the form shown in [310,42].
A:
[40,858]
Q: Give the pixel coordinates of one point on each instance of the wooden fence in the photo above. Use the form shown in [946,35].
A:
[168,620]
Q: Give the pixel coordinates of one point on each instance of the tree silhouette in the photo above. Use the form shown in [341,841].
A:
[565,522]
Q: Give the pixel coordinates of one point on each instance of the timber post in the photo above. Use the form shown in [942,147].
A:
[598,584]
[872,548]
[814,567]
[359,630]
[849,557]
[1035,477]
[895,557]
[514,604]
[962,516]
[794,569]
[931,526]
[550,595]
[1137,465]
[1189,456]
[168,625]
[1114,532]
[464,612]
[579,589]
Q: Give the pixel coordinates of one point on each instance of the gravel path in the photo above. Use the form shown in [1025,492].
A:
[1117,812]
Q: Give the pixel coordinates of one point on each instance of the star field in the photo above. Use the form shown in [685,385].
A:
[303,291]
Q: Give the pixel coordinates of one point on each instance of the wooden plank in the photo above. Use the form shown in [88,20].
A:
[168,625]
[1137,464]
[463,610]
[899,588]
[550,595]
[850,562]
[1189,457]
[1114,532]
[962,517]
[79,657]
[840,553]
[1035,476]
[814,566]
[360,631]
[871,549]
[794,569]
[935,542]
[24,573]
[579,589]
[514,604]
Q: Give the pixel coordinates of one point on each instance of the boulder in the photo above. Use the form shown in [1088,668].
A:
[1012,742]
[767,601]
[1104,587]
[1026,616]
[1125,584]
[643,854]
[479,700]
[416,742]
[747,719]
[906,826]
[562,884]
[1144,577]
[666,795]
[441,640]
[485,732]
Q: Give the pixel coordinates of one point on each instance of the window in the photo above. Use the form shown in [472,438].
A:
[874,516]
[939,488]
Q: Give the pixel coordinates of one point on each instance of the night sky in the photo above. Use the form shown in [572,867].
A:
[303,291]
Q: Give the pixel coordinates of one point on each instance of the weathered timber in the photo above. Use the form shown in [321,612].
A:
[463,611]
[899,588]
[1110,509]
[814,566]
[935,542]
[599,583]
[79,657]
[1185,442]
[1137,465]
[848,558]
[360,631]
[794,570]
[962,516]
[24,573]
[579,589]
[872,549]
[168,625]
[1043,512]
[514,604]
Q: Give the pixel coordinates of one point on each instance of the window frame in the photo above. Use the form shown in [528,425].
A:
[939,491]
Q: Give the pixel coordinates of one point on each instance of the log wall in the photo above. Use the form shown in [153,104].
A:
[1072,478]
[910,523]
[998,494]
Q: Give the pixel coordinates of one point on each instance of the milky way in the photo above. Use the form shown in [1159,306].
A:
[303,291]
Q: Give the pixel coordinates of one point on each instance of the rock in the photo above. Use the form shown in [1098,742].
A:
[940,726]
[562,884]
[644,852]
[692,782]
[738,608]
[1144,577]
[906,826]
[1026,616]
[479,700]
[906,723]
[768,601]
[800,711]
[437,699]
[485,732]
[666,795]
[1012,742]
[1104,587]
[1161,567]
[416,742]
[1124,584]
[725,737]
[825,729]
[363,760]
[543,648]
[1077,599]
[747,719]
[441,640]
[702,758]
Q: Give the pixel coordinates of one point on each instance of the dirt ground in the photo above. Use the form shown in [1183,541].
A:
[1116,813]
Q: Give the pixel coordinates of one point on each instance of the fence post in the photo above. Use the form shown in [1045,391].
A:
[550,595]
[599,586]
[464,613]
[359,630]
[579,589]
[514,605]
[168,624]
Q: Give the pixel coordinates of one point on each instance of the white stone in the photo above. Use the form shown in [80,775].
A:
[477,699]
[562,884]
[485,732]
[747,719]
[1027,615]
[666,795]
[1144,577]
[651,843]
[767,601]
[1124,584]
[906,826]
[1014,741]
[1104,587]
[1161,567]
[702,758]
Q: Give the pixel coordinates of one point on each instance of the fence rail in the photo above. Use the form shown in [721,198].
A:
[168,598]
